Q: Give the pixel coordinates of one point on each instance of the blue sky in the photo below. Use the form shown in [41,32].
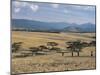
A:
[48,12]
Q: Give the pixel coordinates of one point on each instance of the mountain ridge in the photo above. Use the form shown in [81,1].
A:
[56,26]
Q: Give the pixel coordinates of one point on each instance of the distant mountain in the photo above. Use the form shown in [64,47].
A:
[51,26]
[71,29]
[31,24]
[87,27]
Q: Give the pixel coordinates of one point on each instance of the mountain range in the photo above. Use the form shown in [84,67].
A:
[52,26]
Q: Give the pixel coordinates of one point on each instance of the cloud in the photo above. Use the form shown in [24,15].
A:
[20,4]
[55,5]
[34,7]
[16,10]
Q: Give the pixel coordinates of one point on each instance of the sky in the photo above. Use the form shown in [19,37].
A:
[51,12]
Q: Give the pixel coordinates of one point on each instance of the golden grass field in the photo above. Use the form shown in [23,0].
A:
[52,61]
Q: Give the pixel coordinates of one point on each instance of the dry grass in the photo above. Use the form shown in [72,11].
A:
[53,61]
[31,39]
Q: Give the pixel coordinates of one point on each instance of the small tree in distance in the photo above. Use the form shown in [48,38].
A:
[41,47]
[92,43]
[34,50]
[52,45]
[16,46]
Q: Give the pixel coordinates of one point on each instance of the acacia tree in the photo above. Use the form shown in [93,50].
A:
[78,46]
[70,47]
[52,45]
[34,50]
[41,47]
[75,46]
[85,44]
[92,43]
[16,46]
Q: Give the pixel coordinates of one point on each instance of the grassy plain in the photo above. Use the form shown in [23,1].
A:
[52,61]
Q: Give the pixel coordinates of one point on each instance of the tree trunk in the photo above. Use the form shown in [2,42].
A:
[72,54]
[62,54]
[77,53]
[91,53]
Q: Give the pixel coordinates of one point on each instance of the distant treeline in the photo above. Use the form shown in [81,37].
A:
[32,30]
[48,31]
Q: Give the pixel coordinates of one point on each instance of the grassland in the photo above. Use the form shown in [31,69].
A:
[52,61]
[30,39]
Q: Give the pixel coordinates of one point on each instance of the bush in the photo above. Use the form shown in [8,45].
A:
[16,46]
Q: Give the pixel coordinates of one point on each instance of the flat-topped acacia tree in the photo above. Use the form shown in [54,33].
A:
[75,46]
[52,45]
[78,46]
